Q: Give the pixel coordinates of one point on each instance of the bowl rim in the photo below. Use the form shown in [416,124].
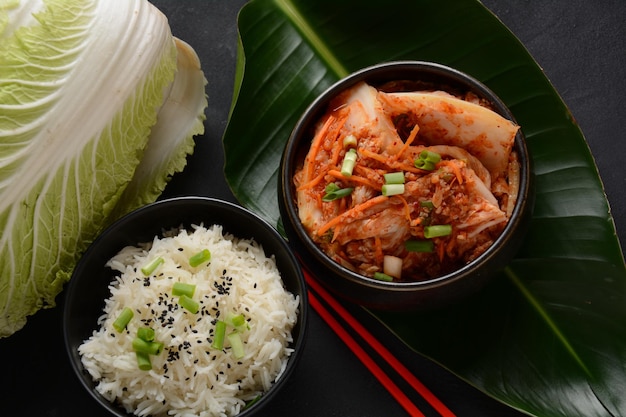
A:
[377,72]
[270,233]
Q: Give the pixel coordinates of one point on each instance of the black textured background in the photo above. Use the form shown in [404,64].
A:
[580,44]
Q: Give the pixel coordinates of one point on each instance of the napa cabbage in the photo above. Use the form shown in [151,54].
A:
[99,104]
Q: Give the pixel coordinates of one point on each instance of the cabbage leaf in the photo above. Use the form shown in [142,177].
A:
[84,85]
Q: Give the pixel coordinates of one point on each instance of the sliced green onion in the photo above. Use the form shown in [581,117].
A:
[123,319]
[394,178]
[181,288]
[236,344]
[382,277]
[427,160]
[251,402]
[419,245]
[349,160]
[437,230]
[425,165]
[392,266]
[200,258]
[189,304]
[429,156]
[220,333]
[333,192]
[427,204]
[152,265]
[235,320]
[238,320]
[145,333]
[150,348]
[349,141]
[392,189]
[143,361]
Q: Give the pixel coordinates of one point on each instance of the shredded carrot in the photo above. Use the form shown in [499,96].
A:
[455,169]
[336,132]
[441,249]
[367,172]
[416,222]
[312,183]
[451,244]
[315,147]
[389,162]
[334,157]
[407,210]
[336,232]
[408,141]
[378,246]
[354,178]
[353,212]
[373,155]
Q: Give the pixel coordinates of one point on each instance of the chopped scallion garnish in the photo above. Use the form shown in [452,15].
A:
[427,160]
[419,245]
[236,320]
[220,333]
[151,266]
[427,204]
[333,192]
[236,344]
[349,141]
[437,230]
[150,348]
[429,156]
[123,319]
[425,165]
[200,258]
[394,178]
[189,304]
[251,402]
[382,277]
[349,160]
[145,333]
[392,189]
[181,288]
[143,361]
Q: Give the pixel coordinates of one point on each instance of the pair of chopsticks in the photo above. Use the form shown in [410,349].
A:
[405,402]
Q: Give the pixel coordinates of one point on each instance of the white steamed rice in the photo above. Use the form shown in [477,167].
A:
[189,378]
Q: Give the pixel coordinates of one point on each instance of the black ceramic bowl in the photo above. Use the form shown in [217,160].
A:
[376,294]
[88,287]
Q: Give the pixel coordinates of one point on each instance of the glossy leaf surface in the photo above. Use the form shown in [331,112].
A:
[547,337]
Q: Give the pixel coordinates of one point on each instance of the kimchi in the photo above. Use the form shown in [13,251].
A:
[410,185]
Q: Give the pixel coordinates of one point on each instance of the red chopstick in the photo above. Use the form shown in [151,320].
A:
[416,384]
[366,359]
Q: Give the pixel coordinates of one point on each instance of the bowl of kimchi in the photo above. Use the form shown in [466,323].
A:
[406,186]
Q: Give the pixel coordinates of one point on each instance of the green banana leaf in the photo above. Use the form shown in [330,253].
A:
[548,337]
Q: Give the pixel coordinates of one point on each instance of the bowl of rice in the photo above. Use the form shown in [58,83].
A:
[188,306]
